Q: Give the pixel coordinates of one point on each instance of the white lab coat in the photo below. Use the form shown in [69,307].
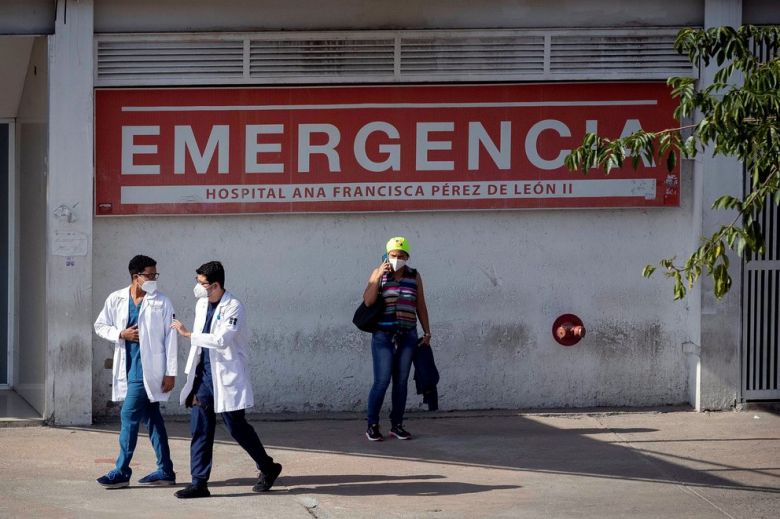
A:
[228,353]
[155,336]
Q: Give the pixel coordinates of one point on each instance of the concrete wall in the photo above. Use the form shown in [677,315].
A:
[69,213]
[719,378]
[495,281]
[251,15]
[33,144]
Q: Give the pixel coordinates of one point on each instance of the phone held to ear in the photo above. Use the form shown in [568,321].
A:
[385,259]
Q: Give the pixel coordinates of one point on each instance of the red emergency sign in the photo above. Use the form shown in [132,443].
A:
[371,148]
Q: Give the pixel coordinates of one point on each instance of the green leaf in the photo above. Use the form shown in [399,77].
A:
[726,202]
[740,247]
[671,161]
[736,119]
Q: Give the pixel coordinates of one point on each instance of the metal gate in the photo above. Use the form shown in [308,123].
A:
[760,312]
[761,296]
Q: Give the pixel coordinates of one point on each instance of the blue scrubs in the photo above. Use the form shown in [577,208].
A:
[137,408]
[135,371]
[203,421]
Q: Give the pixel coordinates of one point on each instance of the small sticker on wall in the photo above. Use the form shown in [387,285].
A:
[69,244]
[70,261]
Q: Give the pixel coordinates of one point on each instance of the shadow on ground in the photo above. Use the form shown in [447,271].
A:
[513,442]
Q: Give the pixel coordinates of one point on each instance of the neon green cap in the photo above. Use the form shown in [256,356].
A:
[398,243]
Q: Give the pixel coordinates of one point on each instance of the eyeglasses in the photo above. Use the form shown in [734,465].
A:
[205,283]
[150,276]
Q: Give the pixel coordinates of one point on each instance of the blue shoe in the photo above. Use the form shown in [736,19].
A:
[114,479]
[158,478]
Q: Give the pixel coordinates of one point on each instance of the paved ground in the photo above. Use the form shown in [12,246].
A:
[497,464]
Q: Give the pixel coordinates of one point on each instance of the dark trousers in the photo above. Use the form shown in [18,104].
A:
[203,422]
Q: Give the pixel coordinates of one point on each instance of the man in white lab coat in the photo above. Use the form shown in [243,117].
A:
[219,381]
[137,320]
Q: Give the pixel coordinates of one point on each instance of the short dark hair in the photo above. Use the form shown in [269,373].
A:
[213,271]
[139,263]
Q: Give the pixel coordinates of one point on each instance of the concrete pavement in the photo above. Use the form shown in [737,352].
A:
[669,463]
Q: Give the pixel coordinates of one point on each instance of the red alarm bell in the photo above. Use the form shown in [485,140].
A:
[568,330]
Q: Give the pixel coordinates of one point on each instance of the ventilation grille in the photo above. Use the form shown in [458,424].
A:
[616,55]
[387,56]
[344,57]
[121,60]
[496,57]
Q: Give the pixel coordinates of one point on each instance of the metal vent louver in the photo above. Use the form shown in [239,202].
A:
[613,55]
[321,57]
[387,56]
[498,57]
[169,59]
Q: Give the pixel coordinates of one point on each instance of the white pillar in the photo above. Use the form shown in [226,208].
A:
[718,375]
[69,219]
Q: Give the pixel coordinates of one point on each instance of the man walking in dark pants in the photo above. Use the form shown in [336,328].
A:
[218,381]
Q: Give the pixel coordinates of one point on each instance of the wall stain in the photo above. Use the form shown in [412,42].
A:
[73,356]
[489,364]
[491,275]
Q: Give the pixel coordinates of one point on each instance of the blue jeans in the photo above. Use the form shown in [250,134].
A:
[203,423]
[136,409]
[392,353]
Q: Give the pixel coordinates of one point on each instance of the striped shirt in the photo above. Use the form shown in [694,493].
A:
[400,301]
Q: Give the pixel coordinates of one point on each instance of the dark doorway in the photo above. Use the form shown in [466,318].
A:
[5,170]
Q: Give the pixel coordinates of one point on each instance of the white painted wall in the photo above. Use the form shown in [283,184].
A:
[721,332]
[33,142]
[495,281]
[68,294]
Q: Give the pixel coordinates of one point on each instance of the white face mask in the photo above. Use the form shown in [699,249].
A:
[200,291]
[397,263]
[150,287]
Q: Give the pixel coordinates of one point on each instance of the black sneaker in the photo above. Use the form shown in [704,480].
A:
[192,491]
[399,432]
[266,481]
[373,434]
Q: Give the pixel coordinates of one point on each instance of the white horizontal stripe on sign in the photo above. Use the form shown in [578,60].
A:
[388,191]
[358,106]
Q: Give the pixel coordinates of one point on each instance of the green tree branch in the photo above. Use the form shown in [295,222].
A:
[734,119]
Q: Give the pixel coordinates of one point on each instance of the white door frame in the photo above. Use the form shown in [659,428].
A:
[12,249]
